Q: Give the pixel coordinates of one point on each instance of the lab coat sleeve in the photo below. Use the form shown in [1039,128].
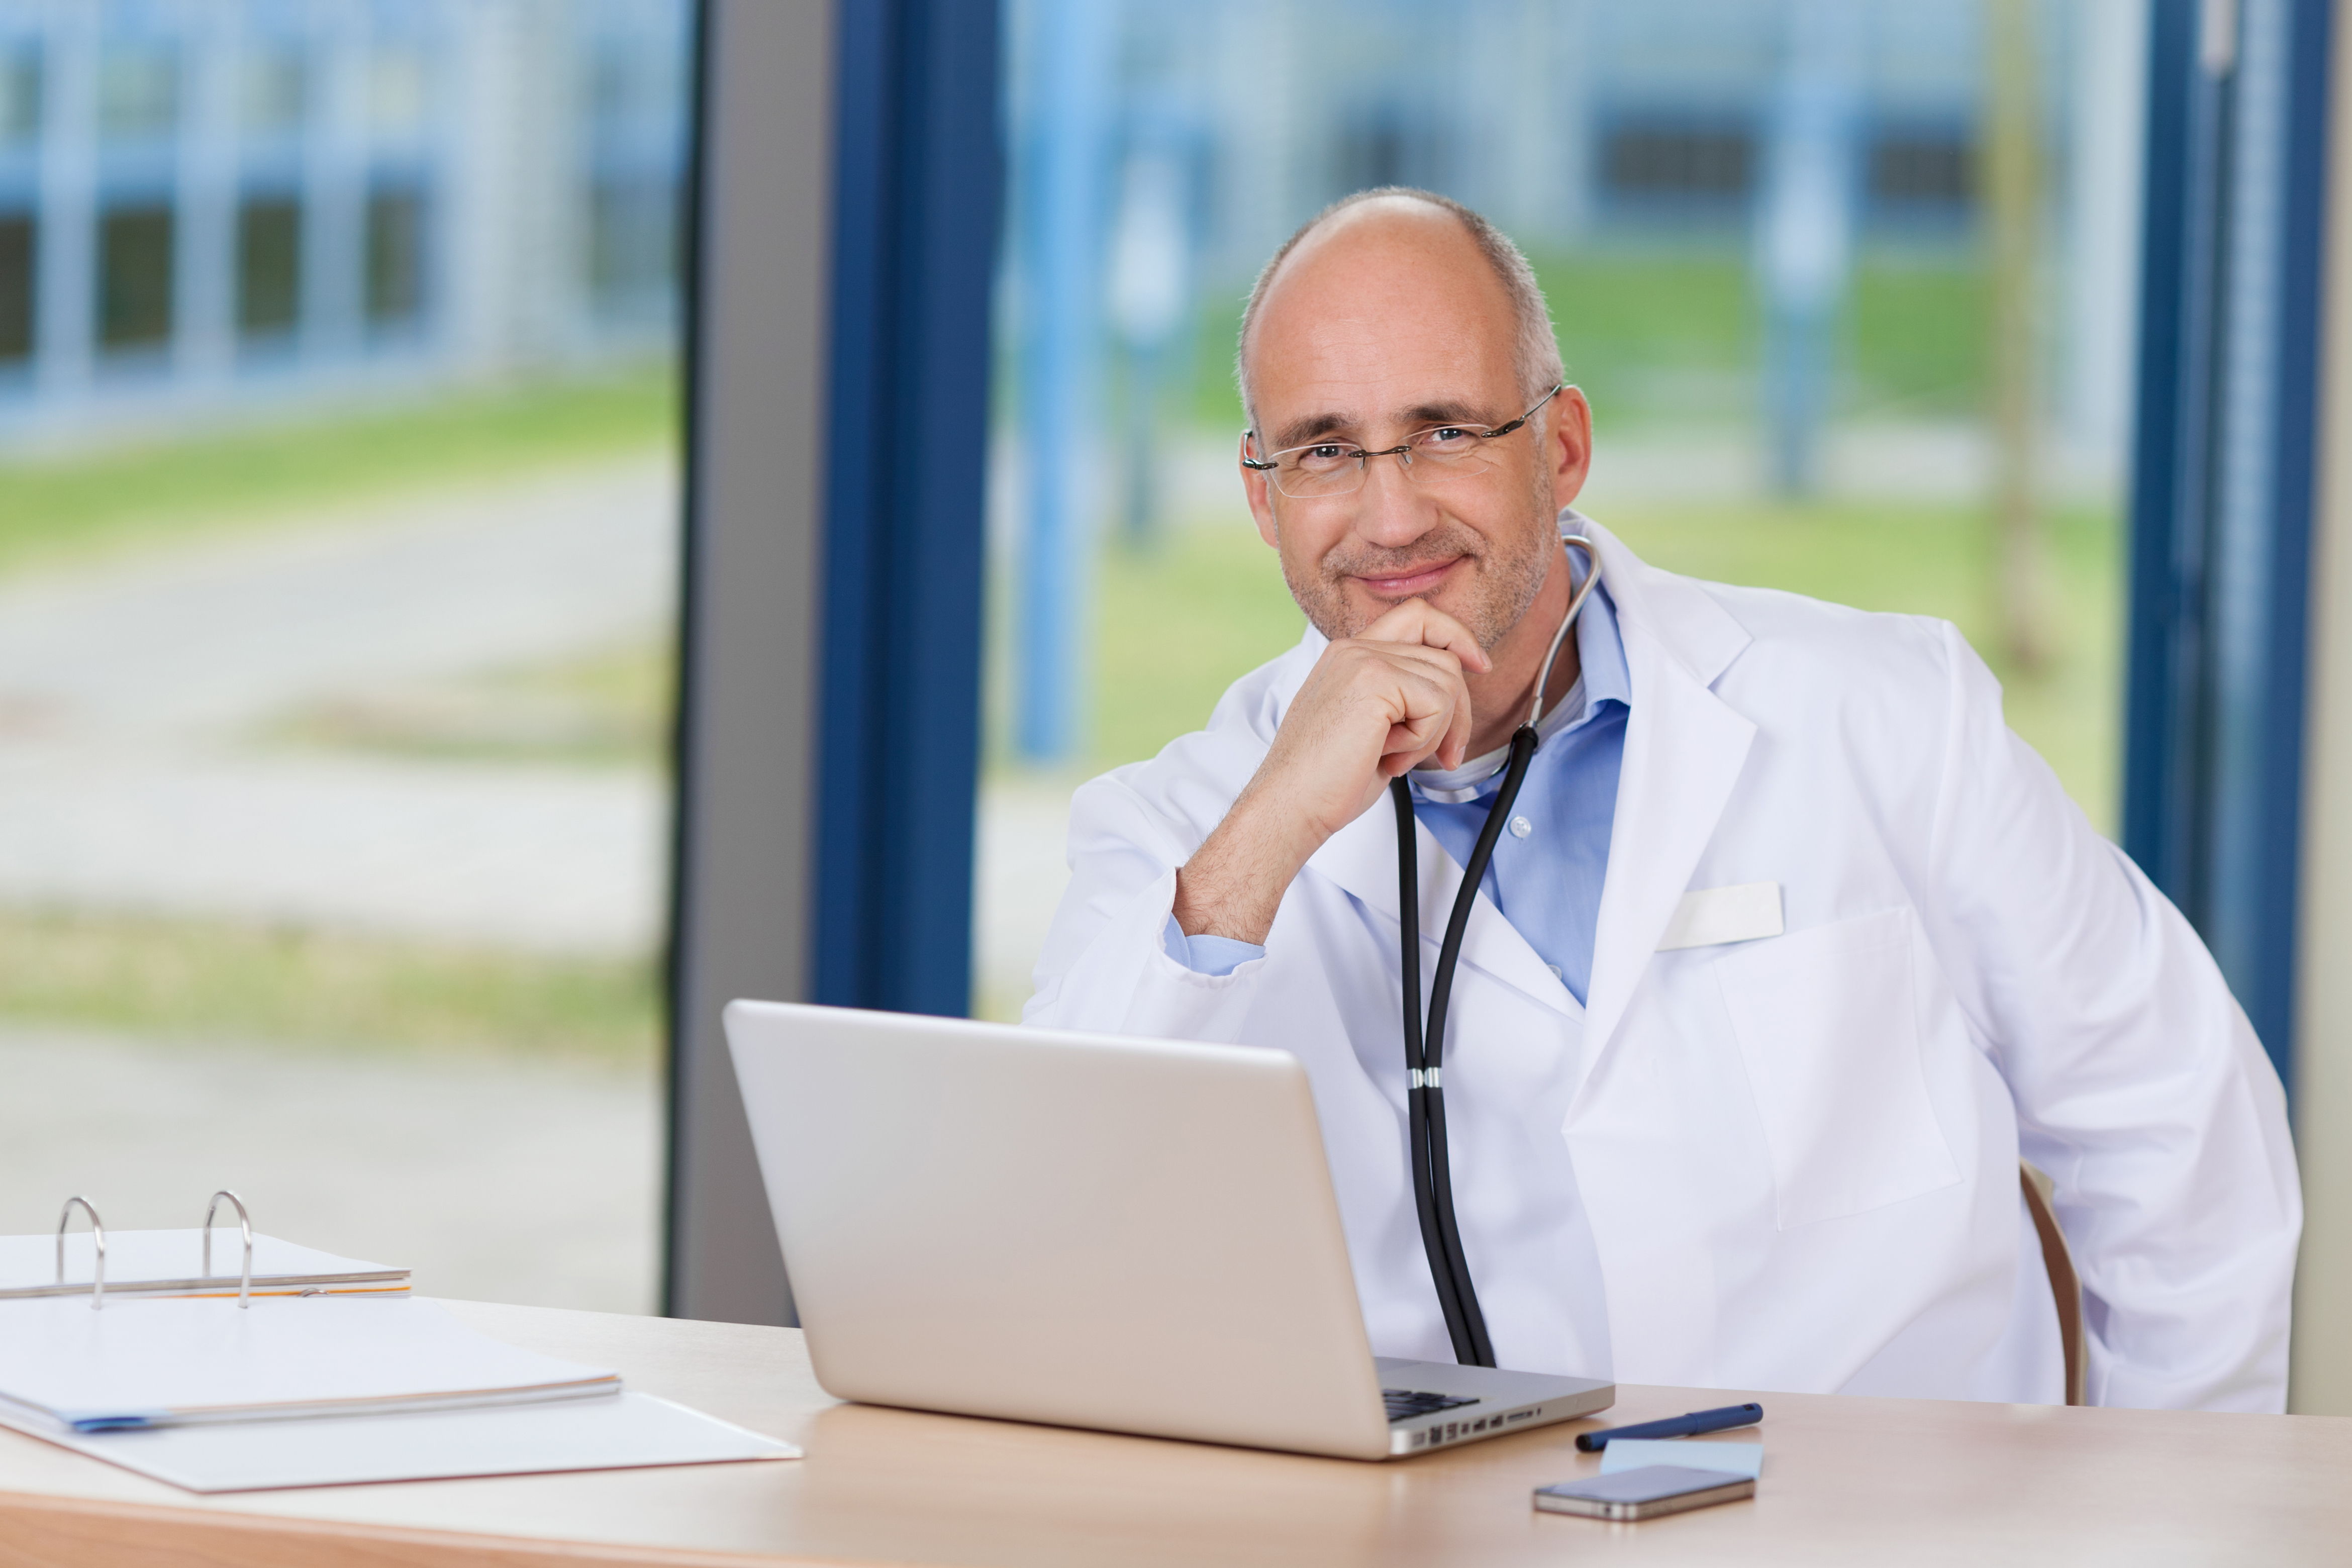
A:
[1105,967]
[2138,1082]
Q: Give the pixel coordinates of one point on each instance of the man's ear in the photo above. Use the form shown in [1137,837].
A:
[1568,446]
[1261,503]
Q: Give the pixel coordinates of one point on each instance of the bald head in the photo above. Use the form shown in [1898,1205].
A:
[1396,254]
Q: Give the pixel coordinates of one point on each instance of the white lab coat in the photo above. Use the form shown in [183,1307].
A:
[1794,1158]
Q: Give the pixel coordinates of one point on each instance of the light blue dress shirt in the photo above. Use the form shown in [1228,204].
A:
[1553,856]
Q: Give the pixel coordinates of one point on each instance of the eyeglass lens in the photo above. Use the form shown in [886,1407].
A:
[1428,458]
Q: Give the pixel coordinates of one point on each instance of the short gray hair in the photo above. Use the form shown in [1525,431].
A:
[1535,355]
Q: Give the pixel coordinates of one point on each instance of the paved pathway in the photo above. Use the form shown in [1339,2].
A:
[132,693]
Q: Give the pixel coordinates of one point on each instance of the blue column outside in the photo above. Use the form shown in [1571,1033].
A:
[1068,46]
[1804,229]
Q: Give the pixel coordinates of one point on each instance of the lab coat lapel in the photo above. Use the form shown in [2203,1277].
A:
[1685,748]
[1361,858]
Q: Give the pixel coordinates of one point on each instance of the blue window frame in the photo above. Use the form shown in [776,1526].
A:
[2222,477]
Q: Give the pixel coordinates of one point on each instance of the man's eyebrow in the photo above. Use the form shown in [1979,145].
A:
[1447,413]
[1305,429]
[1443,411]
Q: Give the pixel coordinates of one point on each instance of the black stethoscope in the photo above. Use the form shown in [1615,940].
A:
[1432,1173]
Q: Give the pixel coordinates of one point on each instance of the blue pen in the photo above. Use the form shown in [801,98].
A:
[1689,1426]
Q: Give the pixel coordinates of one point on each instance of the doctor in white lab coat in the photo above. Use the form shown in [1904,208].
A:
[1855,951]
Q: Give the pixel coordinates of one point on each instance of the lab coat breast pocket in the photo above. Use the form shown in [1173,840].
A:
[1828,1028]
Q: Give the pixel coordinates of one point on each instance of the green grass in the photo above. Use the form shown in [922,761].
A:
[308,989]
[1674,335]
[1915,338]
[1632,331]
[135,493]
[1937,560]
[1177,626]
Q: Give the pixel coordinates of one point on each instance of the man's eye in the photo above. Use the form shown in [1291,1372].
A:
[1324,456]
[1448,436]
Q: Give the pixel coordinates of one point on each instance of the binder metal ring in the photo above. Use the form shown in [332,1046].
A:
[98,1238]
[244,1226]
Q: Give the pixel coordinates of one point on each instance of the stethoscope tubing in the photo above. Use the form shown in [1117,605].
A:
[1433,1166]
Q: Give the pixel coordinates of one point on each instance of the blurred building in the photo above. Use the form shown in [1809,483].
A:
[1566,120]
[204,202]
[1579,124]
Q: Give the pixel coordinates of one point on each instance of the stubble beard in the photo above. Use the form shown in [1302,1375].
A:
[1504,577]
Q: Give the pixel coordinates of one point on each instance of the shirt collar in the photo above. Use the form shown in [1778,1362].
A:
[1602,677]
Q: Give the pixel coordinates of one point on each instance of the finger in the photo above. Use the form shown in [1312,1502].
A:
[1428,718]
[1410,744]
[1433,704]
[1417,621]
[1456,749]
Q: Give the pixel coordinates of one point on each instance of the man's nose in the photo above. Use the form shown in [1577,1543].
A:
[1390,508]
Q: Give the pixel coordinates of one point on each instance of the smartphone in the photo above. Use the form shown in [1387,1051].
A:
[1645,1493]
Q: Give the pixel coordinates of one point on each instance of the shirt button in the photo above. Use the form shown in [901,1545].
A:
[1556,973]
[1521,828]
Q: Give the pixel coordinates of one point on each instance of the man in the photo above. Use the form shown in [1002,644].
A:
[1789,950]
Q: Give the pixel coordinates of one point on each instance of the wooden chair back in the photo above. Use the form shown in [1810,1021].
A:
[2063,1284]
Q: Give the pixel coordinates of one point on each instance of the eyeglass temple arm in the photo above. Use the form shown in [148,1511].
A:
[1547,397]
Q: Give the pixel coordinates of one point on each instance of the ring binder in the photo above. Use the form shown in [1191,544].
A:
[98,1238]
[245,1226]
[146,1264]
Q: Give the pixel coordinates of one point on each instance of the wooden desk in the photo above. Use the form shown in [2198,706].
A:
[1872,1482]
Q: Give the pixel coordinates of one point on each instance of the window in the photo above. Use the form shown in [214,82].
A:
[1922,169]
[634,81]
[1654,160]
[20,96]
[134,276]
[138,92]
[268,265]
[1390,143]
[273,94]
[396,93]
[632,233]
[19,234]
[396,256]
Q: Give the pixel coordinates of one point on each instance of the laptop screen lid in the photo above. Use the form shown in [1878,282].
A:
[1138,1235]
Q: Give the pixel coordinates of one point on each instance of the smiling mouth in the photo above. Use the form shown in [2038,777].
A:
[1405,585]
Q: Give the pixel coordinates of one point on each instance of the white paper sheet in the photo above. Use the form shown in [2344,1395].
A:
[620,1431]
[190,1359]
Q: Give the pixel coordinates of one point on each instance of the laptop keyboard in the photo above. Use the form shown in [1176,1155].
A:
[1405,1404]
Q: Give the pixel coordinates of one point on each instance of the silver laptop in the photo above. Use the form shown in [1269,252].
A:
[1135,1236]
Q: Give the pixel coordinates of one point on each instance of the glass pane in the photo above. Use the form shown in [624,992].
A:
[138,90]
[269,264]
[20,95]
[395,255]
[273,92]
[335,679]
[134,270]
[1766,230]
[17,235]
